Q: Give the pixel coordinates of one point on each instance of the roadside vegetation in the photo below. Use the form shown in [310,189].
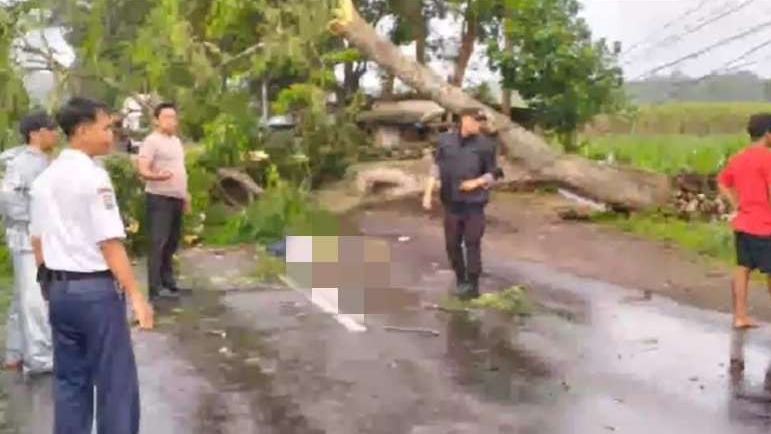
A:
[681,118]
[711,239]
[666,153]
[659,148]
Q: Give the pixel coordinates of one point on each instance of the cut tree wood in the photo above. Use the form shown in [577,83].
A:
[619,186]
[237,188]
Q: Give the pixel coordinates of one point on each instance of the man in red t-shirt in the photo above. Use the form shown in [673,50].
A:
[746,183]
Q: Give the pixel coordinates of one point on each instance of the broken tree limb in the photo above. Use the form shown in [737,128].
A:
[419,331]
[618,186]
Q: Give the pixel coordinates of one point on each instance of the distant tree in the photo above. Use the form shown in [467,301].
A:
[13,95]
[553,62]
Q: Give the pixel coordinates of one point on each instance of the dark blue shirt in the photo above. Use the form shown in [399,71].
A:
[461,159]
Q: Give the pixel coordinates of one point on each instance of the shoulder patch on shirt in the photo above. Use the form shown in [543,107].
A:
[107,196]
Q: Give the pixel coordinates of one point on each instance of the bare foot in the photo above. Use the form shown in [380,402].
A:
[744,323]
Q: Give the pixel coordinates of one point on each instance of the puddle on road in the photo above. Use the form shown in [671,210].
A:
[241,365]
[598,356]
[487,364]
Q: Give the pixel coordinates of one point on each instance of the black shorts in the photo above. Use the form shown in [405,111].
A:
[753,252]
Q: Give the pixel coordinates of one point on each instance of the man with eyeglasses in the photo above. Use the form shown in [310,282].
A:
[465,166]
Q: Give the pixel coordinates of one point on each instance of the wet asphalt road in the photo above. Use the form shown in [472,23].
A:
[594,358]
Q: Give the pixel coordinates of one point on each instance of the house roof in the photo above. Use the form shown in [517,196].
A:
[401,112]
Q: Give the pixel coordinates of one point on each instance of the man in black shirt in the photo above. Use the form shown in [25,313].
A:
[465,166]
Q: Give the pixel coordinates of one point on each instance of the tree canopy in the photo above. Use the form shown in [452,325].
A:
[552,60]
[223,57]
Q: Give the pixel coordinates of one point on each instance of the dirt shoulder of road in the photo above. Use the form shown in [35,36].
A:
[527,226]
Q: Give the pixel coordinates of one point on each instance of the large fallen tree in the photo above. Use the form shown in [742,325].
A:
[622,187]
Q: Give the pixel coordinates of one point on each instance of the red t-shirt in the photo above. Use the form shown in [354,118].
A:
[748,173]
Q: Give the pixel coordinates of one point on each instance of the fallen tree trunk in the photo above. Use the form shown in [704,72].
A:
[618,186]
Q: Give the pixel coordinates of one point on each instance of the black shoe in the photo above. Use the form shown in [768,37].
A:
[180,290]
[461,289]
[472,291]
[461,285]
[163,293]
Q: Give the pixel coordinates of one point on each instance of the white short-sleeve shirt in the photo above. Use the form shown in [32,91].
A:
[74,209]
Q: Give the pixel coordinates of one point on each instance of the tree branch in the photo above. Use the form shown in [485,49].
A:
[245,53]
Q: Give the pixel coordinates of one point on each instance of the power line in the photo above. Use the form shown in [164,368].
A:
[724,69]
[717,18]
[749,52]
[666,26]
[748,63]
[706,49]
[689,31]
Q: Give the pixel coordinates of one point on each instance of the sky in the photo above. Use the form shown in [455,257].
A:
[663,24]
[652,33]
[656,32]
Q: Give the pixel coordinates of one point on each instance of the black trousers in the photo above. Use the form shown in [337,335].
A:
[464,227]
[164,219]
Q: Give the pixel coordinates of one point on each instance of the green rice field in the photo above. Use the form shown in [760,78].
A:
[698,118]
[665,153]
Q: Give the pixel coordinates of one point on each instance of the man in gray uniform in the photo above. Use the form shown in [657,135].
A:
[28,331]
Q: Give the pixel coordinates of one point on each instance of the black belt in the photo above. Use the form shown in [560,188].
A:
[59,276]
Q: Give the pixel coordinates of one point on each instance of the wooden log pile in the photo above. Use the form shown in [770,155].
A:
[696,198]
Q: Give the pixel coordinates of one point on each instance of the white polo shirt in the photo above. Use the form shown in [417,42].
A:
[73,209]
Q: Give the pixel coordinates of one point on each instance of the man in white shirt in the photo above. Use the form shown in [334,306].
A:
[85,272]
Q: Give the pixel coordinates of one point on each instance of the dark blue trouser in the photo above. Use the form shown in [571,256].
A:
[92,348]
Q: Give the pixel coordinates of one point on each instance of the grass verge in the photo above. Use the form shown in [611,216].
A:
[665,153]
[269,268]
[713,240]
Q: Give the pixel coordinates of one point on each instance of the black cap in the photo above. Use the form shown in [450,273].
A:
[35,122]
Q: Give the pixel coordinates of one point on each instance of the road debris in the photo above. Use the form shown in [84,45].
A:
[433,306]
[253,361]
[220,333]
[404,239]
[411,330]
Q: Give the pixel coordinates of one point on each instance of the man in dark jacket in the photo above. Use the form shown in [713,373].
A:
[465,166]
